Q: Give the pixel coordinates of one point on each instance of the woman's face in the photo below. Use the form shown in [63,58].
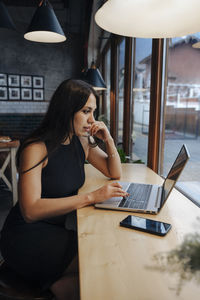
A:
[84,118]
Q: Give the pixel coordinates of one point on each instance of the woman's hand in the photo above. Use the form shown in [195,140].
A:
[107,191]
[100,130]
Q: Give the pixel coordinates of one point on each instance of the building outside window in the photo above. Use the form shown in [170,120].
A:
[182,112]
[141,98]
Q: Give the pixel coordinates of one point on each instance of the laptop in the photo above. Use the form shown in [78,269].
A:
[148,198]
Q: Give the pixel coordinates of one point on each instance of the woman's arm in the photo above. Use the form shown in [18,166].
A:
[108,163]
[34,207]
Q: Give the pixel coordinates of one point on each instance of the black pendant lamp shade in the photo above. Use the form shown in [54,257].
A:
[93,77]
[5,19]
[44,27]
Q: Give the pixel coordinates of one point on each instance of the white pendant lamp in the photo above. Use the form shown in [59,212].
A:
[150,18]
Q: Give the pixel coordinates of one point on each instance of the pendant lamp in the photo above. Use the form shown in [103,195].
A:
[93,75]
[5,19]
[44,27]
[150,18]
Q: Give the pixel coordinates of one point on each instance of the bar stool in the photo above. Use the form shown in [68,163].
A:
[12,287]
[11,149]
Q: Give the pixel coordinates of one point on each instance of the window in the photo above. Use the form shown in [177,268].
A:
[141,98]
[120,90]
[106,117]
[182,112]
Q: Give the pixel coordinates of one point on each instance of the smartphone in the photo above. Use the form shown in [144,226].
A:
[146,225]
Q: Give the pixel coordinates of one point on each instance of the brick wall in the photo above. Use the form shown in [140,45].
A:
[17,126]
[23,107]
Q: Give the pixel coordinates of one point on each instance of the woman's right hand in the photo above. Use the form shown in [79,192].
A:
[107,191]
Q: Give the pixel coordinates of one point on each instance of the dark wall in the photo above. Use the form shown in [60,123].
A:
[55,62]
[18,126]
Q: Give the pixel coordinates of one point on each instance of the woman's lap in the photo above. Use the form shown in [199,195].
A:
[39,251]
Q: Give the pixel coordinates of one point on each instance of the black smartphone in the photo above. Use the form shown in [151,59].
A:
[146,225]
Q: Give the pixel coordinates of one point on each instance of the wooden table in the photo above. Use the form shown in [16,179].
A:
[117,263]
[10,148]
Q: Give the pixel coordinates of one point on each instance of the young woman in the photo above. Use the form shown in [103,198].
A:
[36,240]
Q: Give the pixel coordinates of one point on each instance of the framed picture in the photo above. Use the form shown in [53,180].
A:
[3,79]
[38,82]
[14,93]
[3,93]
[26,81]
[26,94]
[38,94]
[13,80]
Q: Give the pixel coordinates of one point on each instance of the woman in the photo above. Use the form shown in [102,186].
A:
[36,241]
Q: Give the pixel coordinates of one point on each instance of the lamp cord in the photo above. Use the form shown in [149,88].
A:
[45,2]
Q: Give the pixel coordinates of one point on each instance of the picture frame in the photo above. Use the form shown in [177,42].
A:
[26,94]
[38,82]
[3,93]
[13,80]
[14,93]
[26,81]
[3,79]
[38,94]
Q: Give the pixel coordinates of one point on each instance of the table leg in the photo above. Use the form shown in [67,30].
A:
[14,175]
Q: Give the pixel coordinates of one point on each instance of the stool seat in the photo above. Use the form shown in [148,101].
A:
[13,287]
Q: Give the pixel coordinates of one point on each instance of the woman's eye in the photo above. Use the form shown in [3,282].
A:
[86,111]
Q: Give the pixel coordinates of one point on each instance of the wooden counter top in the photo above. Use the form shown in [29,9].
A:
[117,263]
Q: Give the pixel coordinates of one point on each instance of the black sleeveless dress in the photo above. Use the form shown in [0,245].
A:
[41,251]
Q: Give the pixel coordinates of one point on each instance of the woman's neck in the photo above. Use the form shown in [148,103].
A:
[68,140]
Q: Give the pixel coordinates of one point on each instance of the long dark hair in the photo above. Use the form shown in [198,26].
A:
[70,96]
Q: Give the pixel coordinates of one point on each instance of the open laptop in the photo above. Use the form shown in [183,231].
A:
[148,198]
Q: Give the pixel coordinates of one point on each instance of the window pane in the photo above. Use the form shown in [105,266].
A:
[99,109]
[106,118]
[141,98]
[182,112]
[121,65]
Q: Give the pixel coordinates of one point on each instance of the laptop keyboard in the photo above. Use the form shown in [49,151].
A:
[139,196]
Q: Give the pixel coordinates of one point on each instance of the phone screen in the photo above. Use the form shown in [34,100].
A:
[147,225]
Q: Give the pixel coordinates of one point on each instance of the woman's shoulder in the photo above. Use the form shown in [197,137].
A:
[32,154]
[38,146]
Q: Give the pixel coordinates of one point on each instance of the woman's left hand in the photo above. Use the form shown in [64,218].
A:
[100,130]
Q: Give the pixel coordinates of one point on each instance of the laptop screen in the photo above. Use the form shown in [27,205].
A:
[174,173]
